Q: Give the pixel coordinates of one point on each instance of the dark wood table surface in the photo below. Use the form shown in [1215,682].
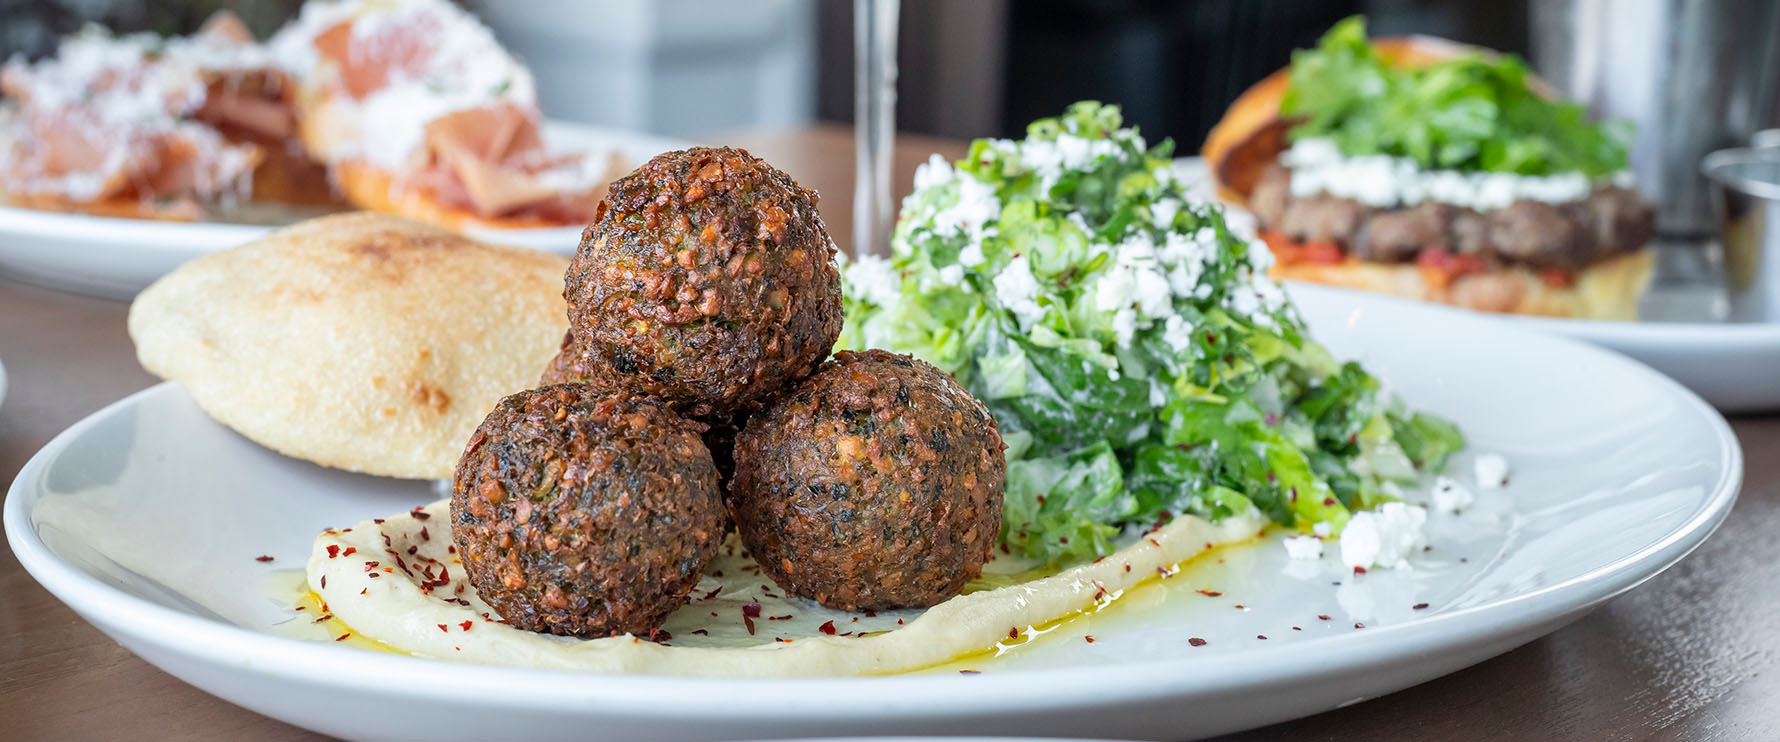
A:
[1693,654]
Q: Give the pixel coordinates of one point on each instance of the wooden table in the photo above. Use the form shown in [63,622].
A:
[1694,654]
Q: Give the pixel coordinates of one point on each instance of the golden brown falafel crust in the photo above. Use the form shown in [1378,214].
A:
[876,483]
[707,280]
[585,514]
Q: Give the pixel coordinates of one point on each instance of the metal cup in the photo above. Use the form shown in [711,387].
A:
[1745,194]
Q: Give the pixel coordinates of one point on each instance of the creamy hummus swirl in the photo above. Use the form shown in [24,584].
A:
[398,580]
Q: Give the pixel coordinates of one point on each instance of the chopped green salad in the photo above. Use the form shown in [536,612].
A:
[1136,357]
[1473,112]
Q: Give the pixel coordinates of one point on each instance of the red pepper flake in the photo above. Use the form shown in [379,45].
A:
[1328,502]
[749,622]
[350,550]
[1419,607]
[1241,607]
[324,581]
[1127,566]
[1210,593]
[452,549]
[1359,570]
[1165,572]
[333,551]
[324,617]
[871,614]
[751,610]
[785,617]
[713,592]
[970,672]
[1013,633]
[412,550]
[827,628]
[424,536]
[389,570]
[1099,590]
[342,637]
[467,625]
[701,632]
[899,622]
[375,575]
[363,590]
[659,635]
[442,629]
[1359,625]
[1294,628]
[781,639]
[420,514]
[1196,641]
[1062,539]
[378,521]
[1089,638]
[302,608]
[1321,616]
[262,558]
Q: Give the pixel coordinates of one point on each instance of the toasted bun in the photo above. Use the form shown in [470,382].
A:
[357,341]
[1251,134]
[1607,290]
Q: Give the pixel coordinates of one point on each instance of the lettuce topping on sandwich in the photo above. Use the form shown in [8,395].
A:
[1139,362]
[1474,112]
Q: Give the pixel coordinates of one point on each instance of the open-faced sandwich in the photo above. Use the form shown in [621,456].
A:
[1101,383]
[406,107]
[1431,170]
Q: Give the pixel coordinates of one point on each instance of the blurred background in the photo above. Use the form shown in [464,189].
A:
[1692,76]
[968,69]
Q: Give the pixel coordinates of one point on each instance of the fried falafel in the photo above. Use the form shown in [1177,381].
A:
[707,280]
[585,513]
[876,483]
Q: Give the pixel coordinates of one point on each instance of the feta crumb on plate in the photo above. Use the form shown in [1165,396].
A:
[1384,537]
[1305,548]
[1491,471]
[1449,496]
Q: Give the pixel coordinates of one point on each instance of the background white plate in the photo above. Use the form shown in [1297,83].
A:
[115,258]
[1732,364]
[146,519]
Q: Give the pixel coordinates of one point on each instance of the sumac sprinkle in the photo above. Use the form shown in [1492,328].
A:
[262,558]
[827,628]
[1196,641]
[1419,607]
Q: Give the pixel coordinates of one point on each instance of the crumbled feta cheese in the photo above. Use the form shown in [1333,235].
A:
[1318,166]
[1017,289]
[953,275]
[1384,537]
[1449,496]
[1304,548]
[1049,159]
[1322,529]
[873,280]
[1491,471]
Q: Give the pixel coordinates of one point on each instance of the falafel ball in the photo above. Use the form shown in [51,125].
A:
[707,280]
[584,513]
[570,367]
[876,483]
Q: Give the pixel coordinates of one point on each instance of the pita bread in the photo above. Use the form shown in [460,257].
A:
[359,341]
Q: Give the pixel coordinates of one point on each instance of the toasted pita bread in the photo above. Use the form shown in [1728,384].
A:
[1607,290]
[358,341]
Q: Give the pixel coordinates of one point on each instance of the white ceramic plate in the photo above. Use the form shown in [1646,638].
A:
[115,258]
[147,517]
[1730,363]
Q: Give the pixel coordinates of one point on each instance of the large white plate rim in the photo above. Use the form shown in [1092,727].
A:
[766,699]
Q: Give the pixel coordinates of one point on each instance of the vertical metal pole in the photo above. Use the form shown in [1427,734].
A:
[874,122]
